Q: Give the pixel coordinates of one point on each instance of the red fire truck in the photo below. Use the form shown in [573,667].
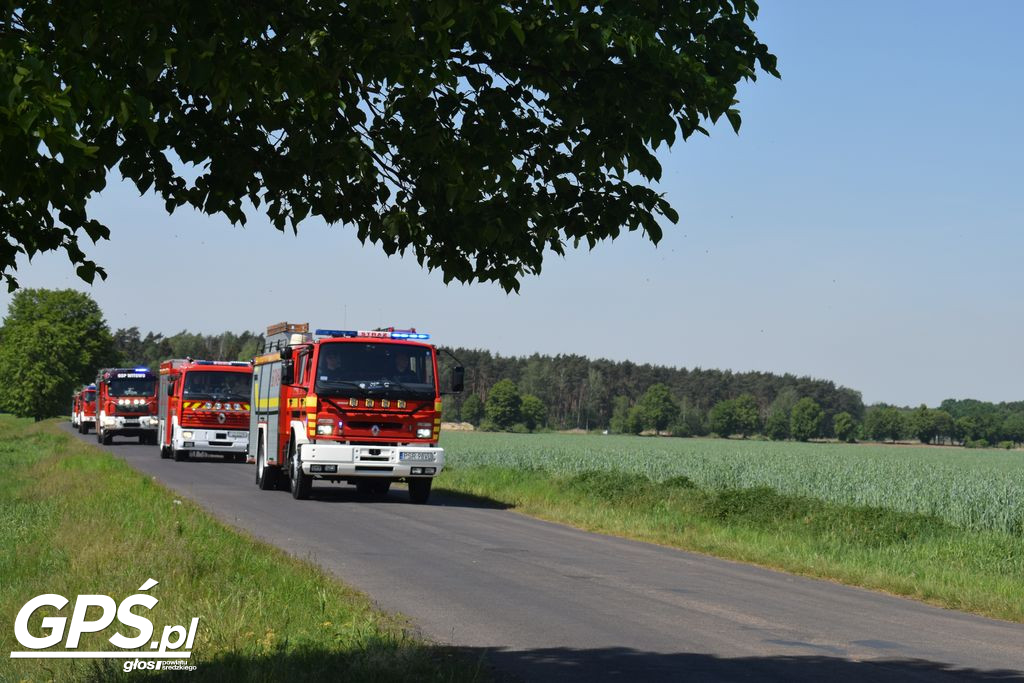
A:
[362,407]
[75,397]
[204,406]
[84,416]
[126,404]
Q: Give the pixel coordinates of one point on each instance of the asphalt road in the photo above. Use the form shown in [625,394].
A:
[551,603]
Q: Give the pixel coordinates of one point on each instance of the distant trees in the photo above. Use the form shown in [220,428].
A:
[149,350]
[580,392]
[883,423]
[928,425]
[503,403]
[508,410]
[472,409]
[736,416]
[532,412]
[656,409]
[805,419]
[51,342]
[843,427]
[779,412]
[722,418]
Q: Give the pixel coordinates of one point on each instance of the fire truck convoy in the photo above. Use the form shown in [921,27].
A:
[362,407]
[204,406]
[126,404]
[83,415]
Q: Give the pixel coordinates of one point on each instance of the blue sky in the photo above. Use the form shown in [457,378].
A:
[864,227]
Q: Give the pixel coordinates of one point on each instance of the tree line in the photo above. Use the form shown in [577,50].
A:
[583,393]
[53,341]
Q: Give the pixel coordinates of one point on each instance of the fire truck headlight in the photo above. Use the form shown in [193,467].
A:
[324,426]
[186,435]
[423,433]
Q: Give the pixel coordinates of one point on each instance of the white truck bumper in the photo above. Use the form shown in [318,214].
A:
[210,440]
[339,460]
[120,423]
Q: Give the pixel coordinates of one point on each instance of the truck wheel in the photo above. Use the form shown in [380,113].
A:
[419,490]
[81,428]
[179,455]
[300,483]
[266,478]
[165,452]
[106,439]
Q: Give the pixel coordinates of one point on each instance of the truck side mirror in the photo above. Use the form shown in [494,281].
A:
[287,371]
[170,388]
[458,378]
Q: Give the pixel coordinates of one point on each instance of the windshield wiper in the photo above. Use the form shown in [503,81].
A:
[401,386]
[345,382]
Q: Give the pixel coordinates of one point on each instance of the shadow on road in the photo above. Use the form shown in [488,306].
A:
[607,664]
[398,495]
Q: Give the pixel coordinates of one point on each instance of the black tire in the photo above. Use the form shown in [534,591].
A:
[419,490]
[179,455]
[106,439]
[266,478]
[300,483]
[165,452]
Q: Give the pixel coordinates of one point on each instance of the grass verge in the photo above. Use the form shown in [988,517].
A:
[907,554]
[75,520]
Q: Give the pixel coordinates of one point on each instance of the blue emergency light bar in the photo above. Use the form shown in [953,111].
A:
[336,333]
[396,334]
[236,363]
[140,369]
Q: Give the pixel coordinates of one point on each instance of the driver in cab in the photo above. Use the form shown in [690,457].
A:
[403,372]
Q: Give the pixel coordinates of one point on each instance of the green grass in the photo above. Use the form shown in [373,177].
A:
[74,520]
[971,489]
[755,502]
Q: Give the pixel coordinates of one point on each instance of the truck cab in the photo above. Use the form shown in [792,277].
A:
[203,406]
[86,402]
[347,406]
[75,408]
[126,404]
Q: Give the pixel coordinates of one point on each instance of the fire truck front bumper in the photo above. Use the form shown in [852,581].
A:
[90,419]
[338,461]
[210,440]
[129,425]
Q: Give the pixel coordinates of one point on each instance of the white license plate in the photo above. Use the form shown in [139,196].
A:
[237,435]
[416,456]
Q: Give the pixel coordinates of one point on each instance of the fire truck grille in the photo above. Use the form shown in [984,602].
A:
[367,426]
[209,419]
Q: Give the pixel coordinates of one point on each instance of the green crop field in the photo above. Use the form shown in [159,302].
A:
[971,489]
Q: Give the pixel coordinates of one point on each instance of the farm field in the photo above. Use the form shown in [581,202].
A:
[936,524]
[977,489]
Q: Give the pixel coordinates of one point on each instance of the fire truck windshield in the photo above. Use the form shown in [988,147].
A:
[143,386]
[378,369]
[222,386]
[89,396]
